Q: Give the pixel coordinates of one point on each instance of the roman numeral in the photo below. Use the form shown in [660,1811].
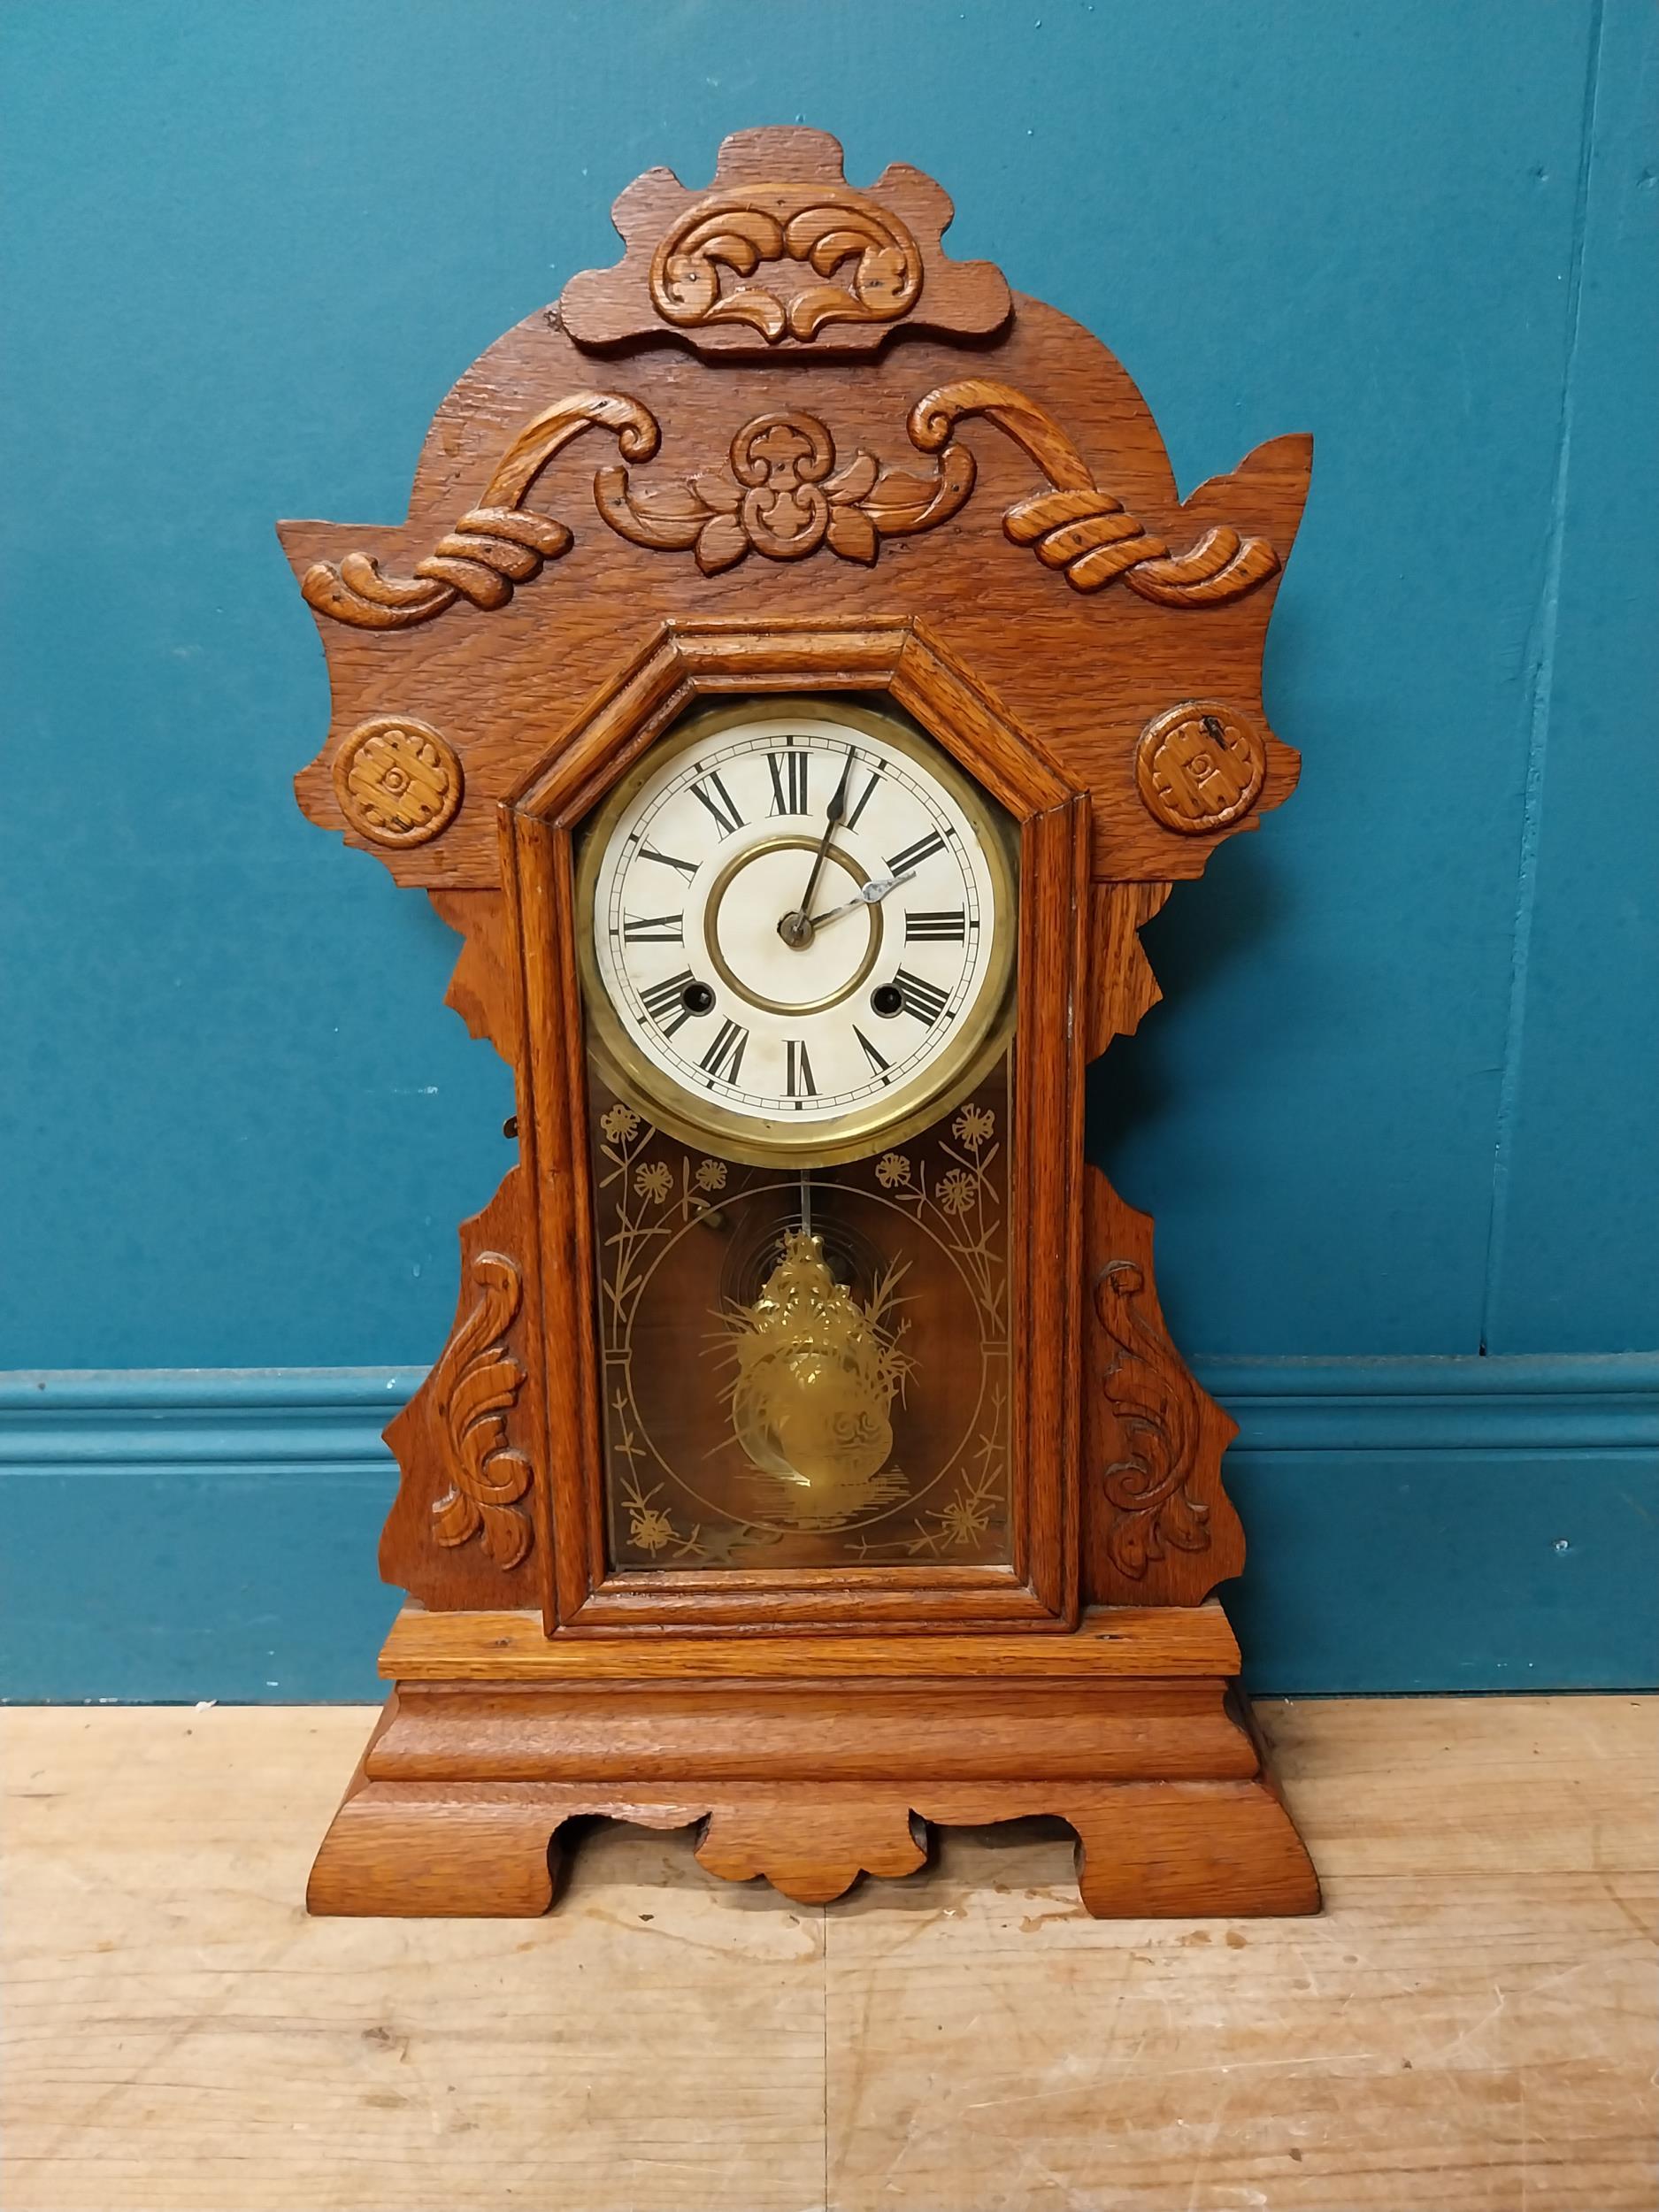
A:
[872,1056]
[875,778]
[925,1001]
[724,1055]
[913,856]
[655,929]
[800,1076]
[788,781]
[665,999]
[666,860]
[926,928]
[719,802]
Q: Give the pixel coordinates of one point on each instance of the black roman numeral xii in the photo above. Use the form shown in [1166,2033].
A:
[788,781]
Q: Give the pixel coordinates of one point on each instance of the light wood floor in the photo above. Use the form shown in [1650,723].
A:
[1468,2028]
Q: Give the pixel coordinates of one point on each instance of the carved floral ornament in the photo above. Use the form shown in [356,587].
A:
[781,496]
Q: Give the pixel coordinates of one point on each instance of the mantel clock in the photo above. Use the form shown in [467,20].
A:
[797,681]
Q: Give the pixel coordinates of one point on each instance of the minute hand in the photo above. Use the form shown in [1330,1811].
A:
[871,894]
[833,814]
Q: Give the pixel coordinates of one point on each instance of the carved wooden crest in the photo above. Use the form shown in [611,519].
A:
[781,255]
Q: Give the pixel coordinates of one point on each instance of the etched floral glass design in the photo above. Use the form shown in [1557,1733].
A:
[804,1370]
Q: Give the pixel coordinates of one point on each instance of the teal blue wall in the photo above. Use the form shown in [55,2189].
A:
[1400,1101]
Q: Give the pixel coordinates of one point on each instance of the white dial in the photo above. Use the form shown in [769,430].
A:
[801,920]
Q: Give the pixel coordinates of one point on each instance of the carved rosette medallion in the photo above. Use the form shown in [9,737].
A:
[476,1380]
[1201,766]
[398,780]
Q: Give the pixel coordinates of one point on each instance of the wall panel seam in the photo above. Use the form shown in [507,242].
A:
[1540,671]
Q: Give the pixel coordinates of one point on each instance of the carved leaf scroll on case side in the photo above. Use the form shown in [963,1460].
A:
[478,1380]
[1158,1526]
[1155,1400]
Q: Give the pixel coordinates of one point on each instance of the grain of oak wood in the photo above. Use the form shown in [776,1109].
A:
[1467,2029]
[1168,1642]
[810,1760]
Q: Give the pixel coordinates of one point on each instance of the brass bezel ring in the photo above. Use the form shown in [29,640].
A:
[756,1140]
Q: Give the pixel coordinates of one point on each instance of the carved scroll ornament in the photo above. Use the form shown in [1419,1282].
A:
[1080,528]
[778,254]
[1156,1402]
[477,1381]
[781,496]
[494,545]
[825,229]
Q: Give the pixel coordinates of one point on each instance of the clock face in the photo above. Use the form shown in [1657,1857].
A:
[798,921]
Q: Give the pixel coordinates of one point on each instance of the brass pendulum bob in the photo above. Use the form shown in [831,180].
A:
[815,1385]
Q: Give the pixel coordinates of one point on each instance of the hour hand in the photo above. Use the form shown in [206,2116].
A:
[871,894]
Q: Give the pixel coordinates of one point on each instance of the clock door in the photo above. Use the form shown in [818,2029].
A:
[824,1125]
[796,926]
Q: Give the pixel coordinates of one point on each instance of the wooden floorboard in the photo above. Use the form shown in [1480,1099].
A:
[1469,2028]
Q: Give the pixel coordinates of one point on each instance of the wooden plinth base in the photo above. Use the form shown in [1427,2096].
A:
[812,1760]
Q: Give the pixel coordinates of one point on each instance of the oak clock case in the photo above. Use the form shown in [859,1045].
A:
[797,682]
[802,1257]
